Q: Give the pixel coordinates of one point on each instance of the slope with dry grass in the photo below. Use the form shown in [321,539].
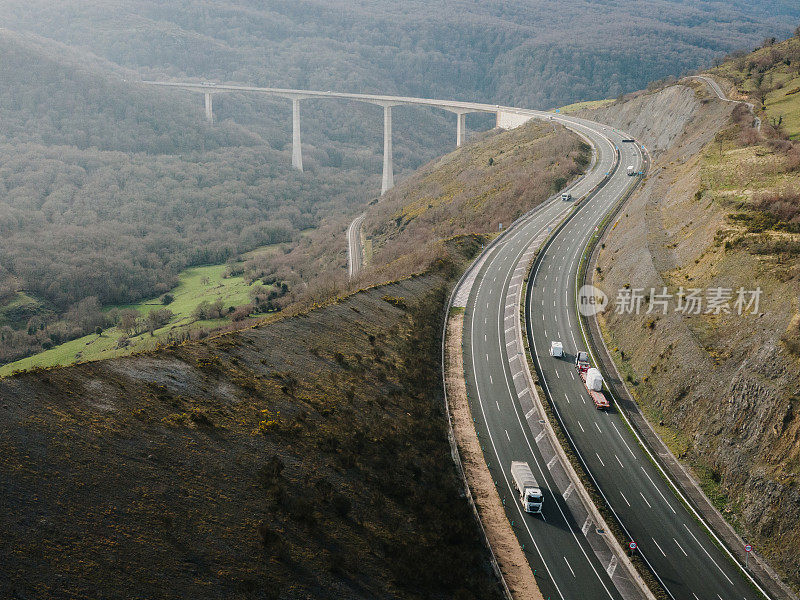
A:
[717,211]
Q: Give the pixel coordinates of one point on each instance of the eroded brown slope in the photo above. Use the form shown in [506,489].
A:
[721,389]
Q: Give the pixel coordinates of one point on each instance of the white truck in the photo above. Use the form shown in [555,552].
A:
[529,493]
[631,170]
[556,349]
[566,196]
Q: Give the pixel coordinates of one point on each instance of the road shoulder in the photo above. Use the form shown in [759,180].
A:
[505,546]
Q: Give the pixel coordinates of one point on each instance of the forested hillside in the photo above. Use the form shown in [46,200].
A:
[108,189]
[539,54]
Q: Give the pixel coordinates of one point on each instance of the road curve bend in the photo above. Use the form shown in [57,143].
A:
[355,253]
[678,548]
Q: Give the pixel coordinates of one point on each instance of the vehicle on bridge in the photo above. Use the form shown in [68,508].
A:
[592,380]
[530,495]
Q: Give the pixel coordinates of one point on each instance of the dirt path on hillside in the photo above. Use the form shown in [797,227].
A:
[512,561]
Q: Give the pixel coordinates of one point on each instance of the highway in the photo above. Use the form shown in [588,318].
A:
[563,552]
[355,256]
[678,548]
[559,550]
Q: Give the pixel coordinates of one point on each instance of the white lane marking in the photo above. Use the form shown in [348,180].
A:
[487,357]
[567,397]
[600,459]
[539,437]
[551,462]
[659,492]
[528,414]
[645,499]
[570,568]
[491,381]
[623,440]
[708,555]
[572,374]
[624,498]
[498,405]
[569,490]
[657,546]
[679,546]
[508,437]
[557,375]
[586,525]
[598,427]
[581,426]
[612,566]
[619,461]
[558,505]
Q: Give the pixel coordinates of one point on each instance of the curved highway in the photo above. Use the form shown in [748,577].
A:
[557,548]
[678,548]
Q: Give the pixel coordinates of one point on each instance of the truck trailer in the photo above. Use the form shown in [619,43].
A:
[530,495]
[592,380]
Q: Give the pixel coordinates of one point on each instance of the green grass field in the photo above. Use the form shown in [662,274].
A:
[195,285]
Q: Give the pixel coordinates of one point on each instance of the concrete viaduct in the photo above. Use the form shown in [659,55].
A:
[507,117]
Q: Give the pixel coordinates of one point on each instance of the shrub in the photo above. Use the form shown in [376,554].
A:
[341,504]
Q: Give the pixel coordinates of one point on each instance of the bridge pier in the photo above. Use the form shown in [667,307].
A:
[461,120]
[209,108]
[388,174]
[297,150]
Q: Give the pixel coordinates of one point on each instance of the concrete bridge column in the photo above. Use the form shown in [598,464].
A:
[388,175]
[297,151]
[209,109]
[461,128]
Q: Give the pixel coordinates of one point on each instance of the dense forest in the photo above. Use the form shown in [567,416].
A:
[539,54]
[109,188]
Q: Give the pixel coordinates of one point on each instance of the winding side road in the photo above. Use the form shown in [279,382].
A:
[355,253]
[715,87]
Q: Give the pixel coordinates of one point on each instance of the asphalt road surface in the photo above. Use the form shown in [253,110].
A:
[679,549]
[355,255]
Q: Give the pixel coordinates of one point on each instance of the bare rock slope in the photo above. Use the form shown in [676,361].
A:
[721,389]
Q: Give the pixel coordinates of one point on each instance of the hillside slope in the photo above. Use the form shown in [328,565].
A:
[303,459]
[717,211]
[109,189]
